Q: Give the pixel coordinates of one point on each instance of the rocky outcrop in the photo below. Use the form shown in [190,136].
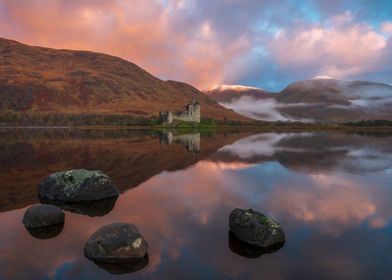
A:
[255,228]
[116,243]
[77,186]
[41,216]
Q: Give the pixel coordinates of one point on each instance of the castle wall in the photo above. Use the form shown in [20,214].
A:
[191,114]
[165,117]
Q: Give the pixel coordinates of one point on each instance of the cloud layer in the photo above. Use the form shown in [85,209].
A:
[209,42]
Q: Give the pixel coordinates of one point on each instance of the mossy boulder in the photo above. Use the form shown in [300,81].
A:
[116,243]
[255,228]
[77,186]
[42,216]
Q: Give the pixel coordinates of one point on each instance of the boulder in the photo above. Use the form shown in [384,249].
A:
[40,216]
[77,186]
[255,228]
[116,243]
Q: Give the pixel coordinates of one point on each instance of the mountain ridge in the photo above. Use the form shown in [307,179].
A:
[325,100]
[227,93]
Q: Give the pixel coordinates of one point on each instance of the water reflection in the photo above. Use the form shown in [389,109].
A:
[336,211]
[246,250]
[315,152]
[124,268]
[191,140]
[128,157]
[95,208]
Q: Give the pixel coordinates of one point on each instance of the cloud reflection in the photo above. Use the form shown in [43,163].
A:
[334,220]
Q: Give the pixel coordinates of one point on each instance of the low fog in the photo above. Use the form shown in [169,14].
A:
[367,98]
[262,109]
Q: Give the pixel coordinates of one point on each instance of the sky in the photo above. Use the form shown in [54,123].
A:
[262,43]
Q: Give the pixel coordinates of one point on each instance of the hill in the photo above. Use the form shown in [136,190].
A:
[36,79]
[336,100]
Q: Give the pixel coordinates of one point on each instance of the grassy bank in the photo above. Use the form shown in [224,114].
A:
[86,121]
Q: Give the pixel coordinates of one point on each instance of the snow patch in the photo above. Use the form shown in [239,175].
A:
[238,88]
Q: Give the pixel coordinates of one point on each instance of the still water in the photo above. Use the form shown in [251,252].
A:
[331,193]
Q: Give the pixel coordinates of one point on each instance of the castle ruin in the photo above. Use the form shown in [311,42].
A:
[190,114]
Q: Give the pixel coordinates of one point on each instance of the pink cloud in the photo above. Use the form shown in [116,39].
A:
[144,32]
[330,199]
[343,50]
[387,27]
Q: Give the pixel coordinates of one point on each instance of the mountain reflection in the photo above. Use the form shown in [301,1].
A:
[336,211]
[128,157]
[314,152]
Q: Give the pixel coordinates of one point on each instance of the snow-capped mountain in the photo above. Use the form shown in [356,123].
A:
[319,99]
[229,93]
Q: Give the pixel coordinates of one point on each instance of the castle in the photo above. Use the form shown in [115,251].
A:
[191,114]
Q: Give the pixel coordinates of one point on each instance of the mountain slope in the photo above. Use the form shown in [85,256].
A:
[336,100]
[325,100]
[64,81]
[229,93]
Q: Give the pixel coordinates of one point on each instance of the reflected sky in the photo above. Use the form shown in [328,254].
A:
[337,216]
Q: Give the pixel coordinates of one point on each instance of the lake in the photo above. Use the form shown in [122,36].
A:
[330,191]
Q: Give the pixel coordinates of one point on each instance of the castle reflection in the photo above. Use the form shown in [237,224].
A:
[190,141]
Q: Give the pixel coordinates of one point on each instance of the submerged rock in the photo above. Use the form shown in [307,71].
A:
[46,232]
[41,216]
[77,186]
[116,243]
[96,208]
[246,250]
[255,228]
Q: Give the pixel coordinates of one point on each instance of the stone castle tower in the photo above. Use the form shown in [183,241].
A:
[190,114]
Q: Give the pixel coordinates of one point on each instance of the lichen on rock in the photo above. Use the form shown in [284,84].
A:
[255,228]
[77,186]
[116,243]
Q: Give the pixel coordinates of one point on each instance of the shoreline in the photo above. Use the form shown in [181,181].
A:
[266,128]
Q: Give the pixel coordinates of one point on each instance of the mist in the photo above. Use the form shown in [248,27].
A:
[261,109]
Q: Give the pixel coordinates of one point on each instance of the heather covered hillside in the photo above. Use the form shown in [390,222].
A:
[35,79]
